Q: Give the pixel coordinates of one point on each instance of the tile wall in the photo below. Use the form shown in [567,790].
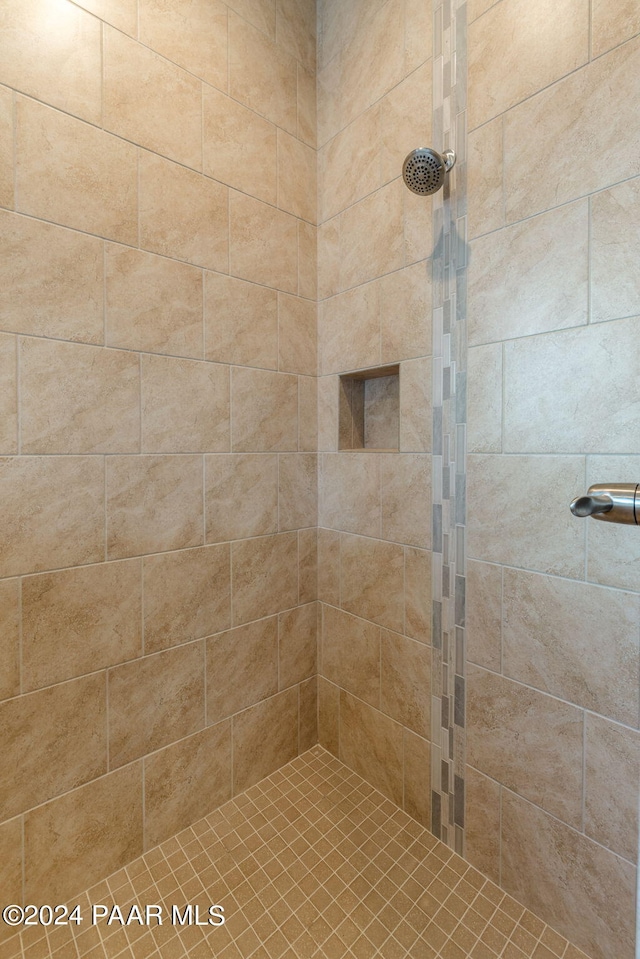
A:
[553,748]
[158,420]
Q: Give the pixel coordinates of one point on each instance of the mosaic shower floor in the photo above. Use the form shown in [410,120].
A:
[311,862]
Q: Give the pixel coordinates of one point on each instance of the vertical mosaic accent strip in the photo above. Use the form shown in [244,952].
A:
[449,428]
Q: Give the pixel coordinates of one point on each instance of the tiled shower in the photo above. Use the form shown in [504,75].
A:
[288,451]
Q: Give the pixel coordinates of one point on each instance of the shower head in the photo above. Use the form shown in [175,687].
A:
[424,170]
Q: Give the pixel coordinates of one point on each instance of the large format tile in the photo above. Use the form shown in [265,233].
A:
[241,322]
[82,837]
[416,416]
[154,701]
[53,512]
[298,490]
[372,580]
[531,277]
[10,865]
[187,595]
[296,29]
[405,681]
[75,174]
[255,757]
[585,891]
[529,742]
[371,743]
[265,411]
[9,638]
[484,398]
[587,117]
[417,777]
[348,168]
[615,285]
[546,41]
[265,576]
[9,394]
[613,25]
[192,33]
[350,654]
[297,335]
[263,243]
[405,119]
[262,75]
[52,51]
[349,330]
[405,482]
[574,640]
[500,523]
[613,551]
[250,652]
[79,620]
[483,591]
[297,645]
[405,313]
[6,148]
[241,496]
[482,823]
[484,179]
[78,399]
[297,189]
[350,492]
[122,14]
[612,772]
[371,236]
[54,740]
[417,594]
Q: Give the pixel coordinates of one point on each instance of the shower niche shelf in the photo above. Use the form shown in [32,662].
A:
[369,410]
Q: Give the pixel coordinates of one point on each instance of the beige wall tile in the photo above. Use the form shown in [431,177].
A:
[307,565]
[122,14]
[187,595]
[588,145]
[297,644]
[613,553]
[350,492]
[78,839]
[349,165]
[240,147]
[52,52]
[9,394]
[484,398]
[241,496]
[546,42]
[261,74]
[505,534]
[329,257]
[154,701]
[329,81]
[296,29]
[418,227]
[586,892]
[612,25]
[249,652]
[417,594]
[349,330]
[263,243]
[328,715]
[405,681]
[381,414]
[307,260]
[328,413]
[308,720]
[405,313]
[152,303]
[78,399]
[329,566]
[183,214]
[253,756]
[297,335]
[241,322]
[371,235]
[416,416]
[484,178]
[265,576]
[484,615]
[553,631]
[417,779]
[530,278]
[185,406]
[405,483]
[405,114]
[79,620]
[9,639]
[350,654]
[307,414]
[529,742]
[297,189]
[371,744]
[135,104]
[615,287]
[54,740]
[265,411]
[372,580]
[184,782]
[154,503]
[67,529]
[192,33]
[418,43]
[297,490]
[11,866]
[6,147]
[482,823]
[598,366]
[261,13]
[75,174]
[612,772]
[307,107]
[478,7]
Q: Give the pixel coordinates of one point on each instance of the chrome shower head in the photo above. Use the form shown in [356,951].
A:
[424,170]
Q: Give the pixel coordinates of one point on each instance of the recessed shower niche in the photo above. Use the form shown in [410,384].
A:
[370,409]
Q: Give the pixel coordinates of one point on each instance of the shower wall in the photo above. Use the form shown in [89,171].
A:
[374,272]
[553,748]
[158,420]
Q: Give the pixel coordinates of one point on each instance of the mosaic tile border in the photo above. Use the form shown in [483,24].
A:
[449,428]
